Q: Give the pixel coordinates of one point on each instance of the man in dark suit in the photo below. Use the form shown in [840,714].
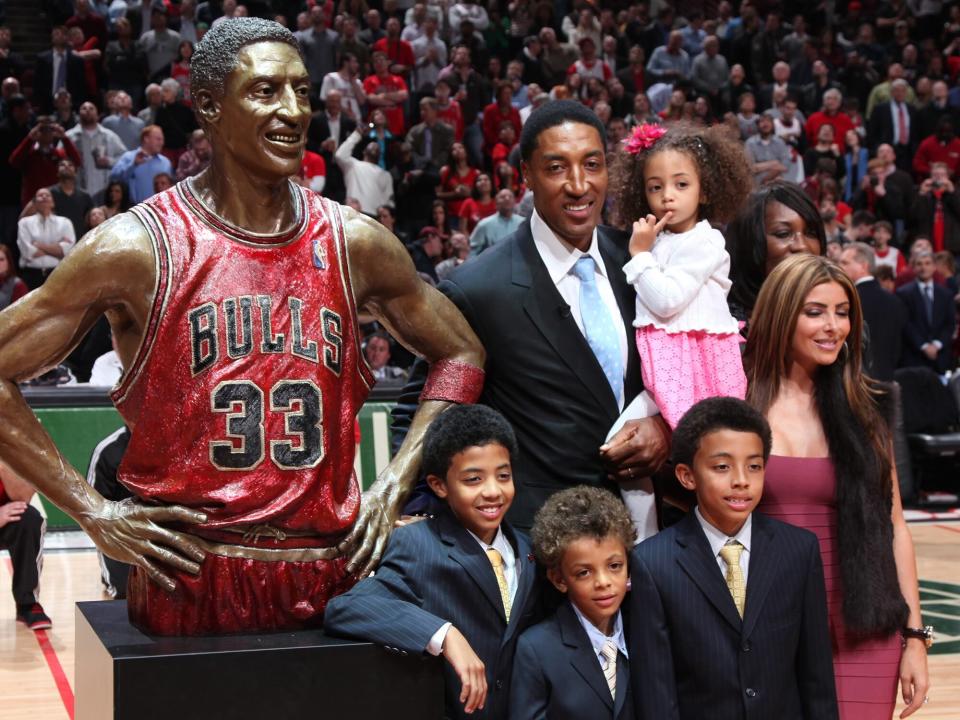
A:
[522,298]
[729,608]
[895,123]
[931,318]
[883,314]
[430,139]
[329,128]
[51,74]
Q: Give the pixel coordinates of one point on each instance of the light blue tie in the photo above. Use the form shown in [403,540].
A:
[598,325]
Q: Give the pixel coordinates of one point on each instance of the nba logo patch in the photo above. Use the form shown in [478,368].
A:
[319,255]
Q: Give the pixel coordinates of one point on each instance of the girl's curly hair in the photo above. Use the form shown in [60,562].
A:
[725,175]
[576,513]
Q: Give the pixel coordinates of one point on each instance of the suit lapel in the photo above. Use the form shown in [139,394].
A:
[466,552]
[525,580]
[698,562]
[763,555]
[623,684]
[582,656]
[551,315]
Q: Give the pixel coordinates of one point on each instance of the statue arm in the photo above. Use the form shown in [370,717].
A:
[36,334]
[426,323]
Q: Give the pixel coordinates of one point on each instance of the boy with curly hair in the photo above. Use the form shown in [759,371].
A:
[575,664]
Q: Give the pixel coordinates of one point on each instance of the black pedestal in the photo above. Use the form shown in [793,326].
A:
[122,674]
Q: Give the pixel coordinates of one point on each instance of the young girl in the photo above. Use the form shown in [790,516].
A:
[678,182]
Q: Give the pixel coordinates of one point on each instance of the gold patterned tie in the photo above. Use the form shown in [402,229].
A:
[497,561]
[609,652]
[738,588]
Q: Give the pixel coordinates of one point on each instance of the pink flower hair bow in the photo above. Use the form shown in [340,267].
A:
[643,137]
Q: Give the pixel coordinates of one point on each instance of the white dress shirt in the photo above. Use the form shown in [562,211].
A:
[718,539]
[559,257]
[598,639]
[511,571]
[369,183]
[36,228]
[682,283]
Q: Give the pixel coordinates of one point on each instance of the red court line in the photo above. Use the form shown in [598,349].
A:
[53,662]
[949,527]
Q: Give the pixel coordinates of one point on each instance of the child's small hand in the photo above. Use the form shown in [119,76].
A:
[645,231]
[469,668]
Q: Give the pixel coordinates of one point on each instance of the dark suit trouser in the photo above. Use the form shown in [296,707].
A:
[24,540]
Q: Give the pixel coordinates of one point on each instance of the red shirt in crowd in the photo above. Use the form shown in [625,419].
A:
[449,180]
[398,51]
[452,115]
[931,150]
[492,117]
[841,122]
[474,211]
[39,168]
[312,166]
[374,85]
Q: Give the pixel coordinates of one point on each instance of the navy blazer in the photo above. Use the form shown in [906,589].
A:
[918,330]
[435,572]
[556,675]
[540,371]
[692,657]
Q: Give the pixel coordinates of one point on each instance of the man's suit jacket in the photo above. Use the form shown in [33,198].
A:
[434,572]
[881,130]
[540,371]
[885,319]
[43,80]
[918,330]
[319,131]
[556,675]
[692,656]
[443,137]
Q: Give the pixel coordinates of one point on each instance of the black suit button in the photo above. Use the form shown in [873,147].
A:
[751,692]
[499,685]
[745,647]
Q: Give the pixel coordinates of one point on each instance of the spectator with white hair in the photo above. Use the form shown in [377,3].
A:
[830,114]
[175,119]
[154,97]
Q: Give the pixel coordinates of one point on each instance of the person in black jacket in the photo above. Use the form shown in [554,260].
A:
[883,313]
[931,318]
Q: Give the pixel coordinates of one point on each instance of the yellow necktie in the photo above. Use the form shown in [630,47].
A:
[609,652]
[738,588]
[497,561]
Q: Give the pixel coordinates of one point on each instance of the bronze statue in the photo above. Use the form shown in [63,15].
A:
[232,299]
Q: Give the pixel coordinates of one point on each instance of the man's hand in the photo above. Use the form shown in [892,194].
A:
[926,186]
[379,511]
[11,512]
[645,231]
[129,531]
[140,158]
[468,667]
[930,350]
[637,450]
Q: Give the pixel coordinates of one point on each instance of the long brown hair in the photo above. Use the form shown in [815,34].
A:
[857,435]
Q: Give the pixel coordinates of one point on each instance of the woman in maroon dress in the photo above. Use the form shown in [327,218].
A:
[831,472]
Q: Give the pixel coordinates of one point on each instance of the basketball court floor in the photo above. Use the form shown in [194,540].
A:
[37,669]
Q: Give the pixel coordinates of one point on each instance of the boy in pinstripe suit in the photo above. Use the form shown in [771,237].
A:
[728,607]
[461,584]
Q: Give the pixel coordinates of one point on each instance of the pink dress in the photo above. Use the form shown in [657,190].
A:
[802,492]
[681,369]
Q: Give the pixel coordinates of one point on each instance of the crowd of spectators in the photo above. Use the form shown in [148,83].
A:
[419,107]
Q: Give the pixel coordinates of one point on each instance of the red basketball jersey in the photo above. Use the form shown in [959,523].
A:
[242,397]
